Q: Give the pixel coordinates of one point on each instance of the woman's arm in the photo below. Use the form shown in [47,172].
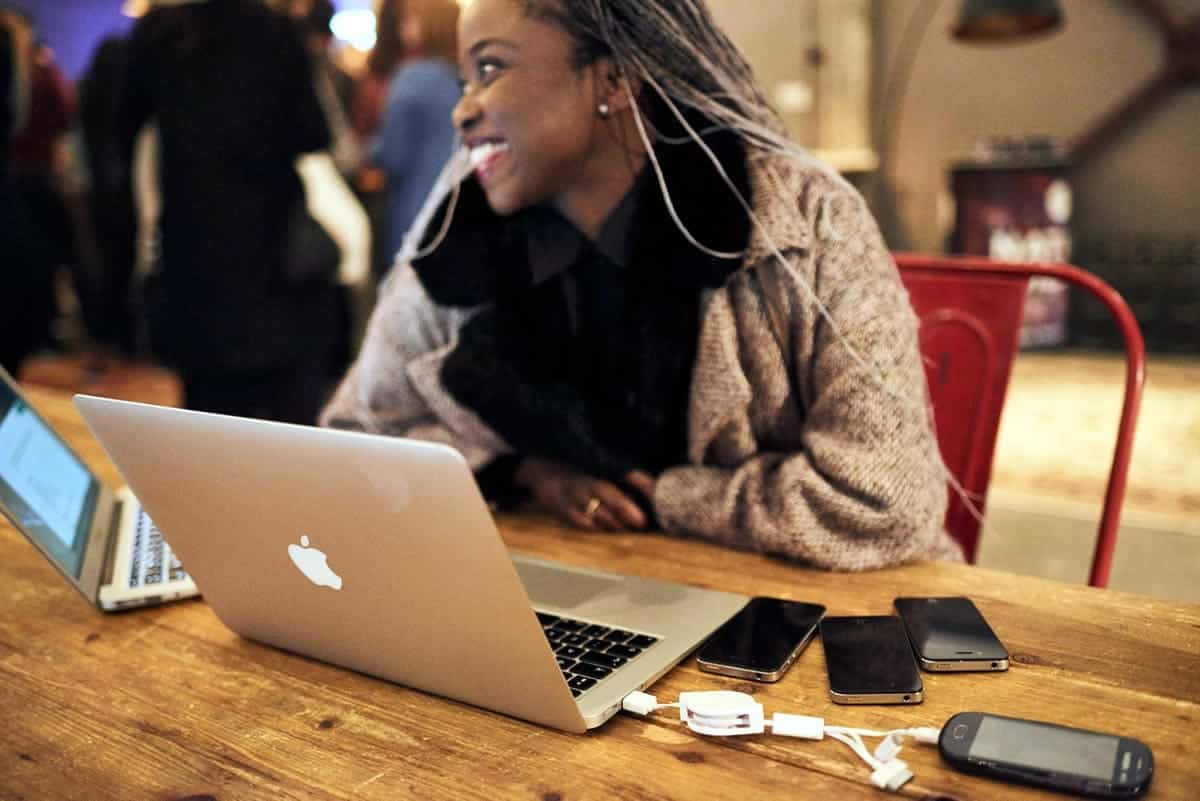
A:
[862,484]
[379,393]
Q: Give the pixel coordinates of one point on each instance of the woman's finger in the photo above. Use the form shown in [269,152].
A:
[621,510]
[641,481]
[576,516]
[605,519]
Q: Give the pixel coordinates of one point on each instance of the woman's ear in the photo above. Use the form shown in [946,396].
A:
[613,87]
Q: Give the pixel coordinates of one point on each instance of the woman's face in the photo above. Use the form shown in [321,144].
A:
[529,118]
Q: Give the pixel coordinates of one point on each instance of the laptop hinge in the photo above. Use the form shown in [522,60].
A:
[110,547]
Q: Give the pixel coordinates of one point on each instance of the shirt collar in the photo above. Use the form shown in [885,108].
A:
[555,245]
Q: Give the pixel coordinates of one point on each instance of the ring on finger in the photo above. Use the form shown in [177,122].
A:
[592,505]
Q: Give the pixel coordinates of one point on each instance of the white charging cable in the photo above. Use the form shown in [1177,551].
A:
[725,713]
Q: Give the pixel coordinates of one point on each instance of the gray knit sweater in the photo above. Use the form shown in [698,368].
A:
[806,438]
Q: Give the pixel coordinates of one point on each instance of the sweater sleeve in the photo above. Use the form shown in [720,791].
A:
[381,394]
[861,484]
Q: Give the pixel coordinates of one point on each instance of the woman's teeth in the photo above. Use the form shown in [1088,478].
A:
[481,154]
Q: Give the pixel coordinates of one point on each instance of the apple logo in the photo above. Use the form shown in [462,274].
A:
[312,563]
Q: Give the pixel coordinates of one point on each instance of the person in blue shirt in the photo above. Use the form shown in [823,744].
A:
[417,136]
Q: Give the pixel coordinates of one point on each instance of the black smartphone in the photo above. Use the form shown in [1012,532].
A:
[762,640]
[869,661]
[949,634]
[1046,755]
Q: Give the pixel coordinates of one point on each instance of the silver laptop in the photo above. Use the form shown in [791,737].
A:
[102,541]
[379,554]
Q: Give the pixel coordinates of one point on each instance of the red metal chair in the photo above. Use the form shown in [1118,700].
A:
[970,311]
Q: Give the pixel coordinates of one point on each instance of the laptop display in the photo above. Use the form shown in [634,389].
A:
[44,489]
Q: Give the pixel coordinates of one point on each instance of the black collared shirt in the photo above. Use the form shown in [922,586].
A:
[583,350]
[576,324]
[591,278]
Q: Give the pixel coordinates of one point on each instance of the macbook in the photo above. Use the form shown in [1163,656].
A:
[379,554]
[102,541]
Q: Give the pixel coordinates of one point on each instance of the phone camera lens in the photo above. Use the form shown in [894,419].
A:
[907,697]
[995,664]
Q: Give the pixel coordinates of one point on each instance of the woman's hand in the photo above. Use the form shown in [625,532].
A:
[585,501]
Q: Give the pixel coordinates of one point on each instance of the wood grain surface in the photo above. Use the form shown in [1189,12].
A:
[168,704]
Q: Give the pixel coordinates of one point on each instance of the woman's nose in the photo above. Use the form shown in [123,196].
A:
[465,113]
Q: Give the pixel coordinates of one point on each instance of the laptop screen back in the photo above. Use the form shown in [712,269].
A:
[44,489]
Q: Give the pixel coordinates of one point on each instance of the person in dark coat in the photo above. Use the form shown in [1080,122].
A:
[228,83]
[25,270]
[110,206]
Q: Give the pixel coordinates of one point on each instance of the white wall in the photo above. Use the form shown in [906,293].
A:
[1145,181]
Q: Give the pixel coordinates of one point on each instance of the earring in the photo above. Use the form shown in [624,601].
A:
[603,109]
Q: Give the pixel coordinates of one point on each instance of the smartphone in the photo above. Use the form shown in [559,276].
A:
[950,635]
[1046,755]
[869,661]
[761,641]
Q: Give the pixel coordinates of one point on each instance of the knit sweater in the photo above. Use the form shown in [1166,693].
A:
[808,435]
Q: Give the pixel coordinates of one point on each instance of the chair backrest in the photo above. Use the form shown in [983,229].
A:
[970,311]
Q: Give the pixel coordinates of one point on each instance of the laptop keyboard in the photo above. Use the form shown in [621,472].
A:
[588,652]
[152,560]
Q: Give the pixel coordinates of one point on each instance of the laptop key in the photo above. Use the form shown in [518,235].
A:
[574,639]
[596,644]
[575,692]
[565,664]
[582,683]
[569,651]
[596,630]
[627,651]
[570,625]
[604,660]
[546,619]
[642,641]
[590,671]
[617,635]
[553,635]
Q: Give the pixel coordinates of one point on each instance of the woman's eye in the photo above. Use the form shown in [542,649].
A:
[487,70]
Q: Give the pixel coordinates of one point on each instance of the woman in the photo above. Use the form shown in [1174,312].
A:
[648,306]
[416,136]
[370,93]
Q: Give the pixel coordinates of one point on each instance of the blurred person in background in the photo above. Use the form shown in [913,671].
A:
[370,94]
[228,84]
[334,206]
[110,205]
[8,91]
[15,278]
[366,113]
[38,162]
[26,285]
[335,88]
[417,136]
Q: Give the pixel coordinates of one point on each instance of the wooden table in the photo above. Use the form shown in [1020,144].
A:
[168,704]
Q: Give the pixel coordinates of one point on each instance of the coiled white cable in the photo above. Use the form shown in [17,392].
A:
[724,713]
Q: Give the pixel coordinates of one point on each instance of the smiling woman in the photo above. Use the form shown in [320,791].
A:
[532,118]
[642,305]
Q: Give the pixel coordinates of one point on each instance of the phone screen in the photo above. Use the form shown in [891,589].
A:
[1055,748]
[1047,755]
[869,656]
[949,629]
[763,636]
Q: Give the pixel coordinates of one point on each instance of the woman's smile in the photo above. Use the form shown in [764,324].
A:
[487,157]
